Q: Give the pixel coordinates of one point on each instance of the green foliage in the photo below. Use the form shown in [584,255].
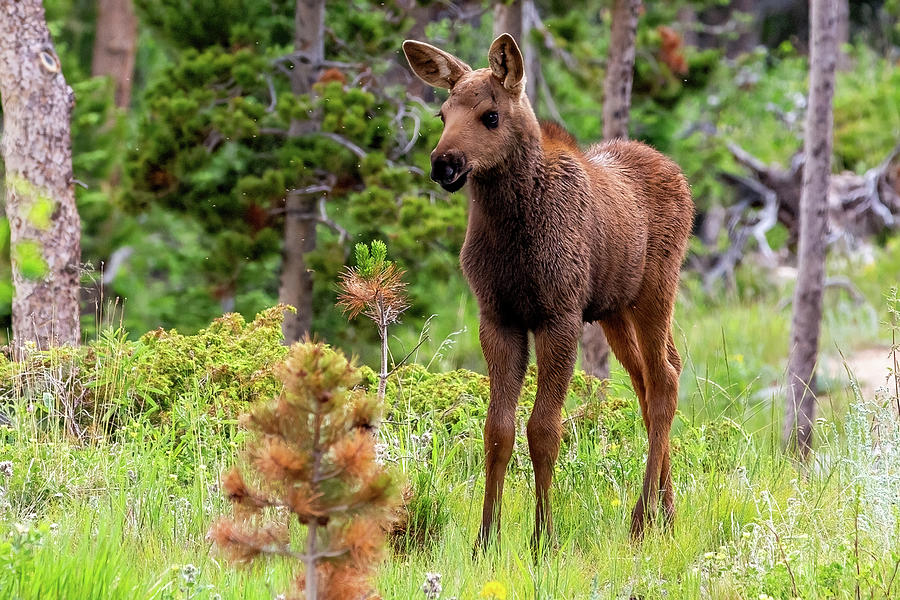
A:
[203,23]
[234,358]
[214,149]
[426,513]
[866,112]
[369,262]
[231,360]
[749,523]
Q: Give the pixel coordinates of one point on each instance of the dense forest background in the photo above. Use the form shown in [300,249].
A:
[184,179]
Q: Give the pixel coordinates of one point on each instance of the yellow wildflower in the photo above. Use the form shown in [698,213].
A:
[493,589]
[615,502]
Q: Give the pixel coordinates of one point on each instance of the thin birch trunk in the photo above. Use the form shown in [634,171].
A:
[513,18]
[800,406]
[115,45]
[616,106]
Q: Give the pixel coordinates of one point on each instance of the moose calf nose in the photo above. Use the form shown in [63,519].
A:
[446,167]
[442,170]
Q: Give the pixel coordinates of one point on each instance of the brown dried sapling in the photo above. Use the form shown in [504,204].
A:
[375,288]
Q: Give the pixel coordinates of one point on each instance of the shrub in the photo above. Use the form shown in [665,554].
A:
[92,385]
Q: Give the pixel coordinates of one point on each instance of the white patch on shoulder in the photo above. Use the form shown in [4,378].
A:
[443,67]
[602,159]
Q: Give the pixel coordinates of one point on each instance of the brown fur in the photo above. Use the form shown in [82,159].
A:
[558,237]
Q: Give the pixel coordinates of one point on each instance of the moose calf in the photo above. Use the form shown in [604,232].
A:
[558,237]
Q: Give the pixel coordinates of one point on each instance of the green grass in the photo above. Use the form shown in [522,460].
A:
[125,514]
[113,518]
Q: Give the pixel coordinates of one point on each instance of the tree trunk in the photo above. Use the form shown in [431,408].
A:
[299,224]
[115,45]
[842,33]
[748,35]
[800,409]
[421,16]
[40,198]
[620,69]
[616,104]
[512,18]
[508,18]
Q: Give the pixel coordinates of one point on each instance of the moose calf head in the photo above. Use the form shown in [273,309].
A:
[486,115]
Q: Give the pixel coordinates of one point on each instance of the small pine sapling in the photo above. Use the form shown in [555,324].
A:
[375,288]
[312,455]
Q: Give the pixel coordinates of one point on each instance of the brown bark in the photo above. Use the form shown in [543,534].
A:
[40,198]
[115,45]
[800,406]
[299,223]
[616,104]
[842,33]
[748,36]
[512,18]
[620,69]
[421,16]
[508,18]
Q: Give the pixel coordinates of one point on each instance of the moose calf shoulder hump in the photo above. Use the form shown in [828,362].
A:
[558,237]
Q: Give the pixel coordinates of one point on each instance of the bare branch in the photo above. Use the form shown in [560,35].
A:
[549,101]
[343,236]
[304,58]
[746,159]
[311,189]
[549,42]
[272,95]
[406,358]
[359,152]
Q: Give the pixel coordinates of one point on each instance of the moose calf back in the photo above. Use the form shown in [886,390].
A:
[643,217]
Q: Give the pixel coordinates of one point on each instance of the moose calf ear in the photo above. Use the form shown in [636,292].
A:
[506,62]
[434,66]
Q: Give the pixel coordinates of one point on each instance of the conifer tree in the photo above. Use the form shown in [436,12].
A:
[312,457]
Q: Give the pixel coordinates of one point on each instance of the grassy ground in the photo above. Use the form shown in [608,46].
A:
[125,514]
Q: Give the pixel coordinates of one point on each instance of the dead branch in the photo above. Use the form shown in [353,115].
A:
[859,207]
[836,282]
[548,40]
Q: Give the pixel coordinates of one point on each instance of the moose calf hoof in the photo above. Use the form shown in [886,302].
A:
[638,521]
[482,543]
[542,545]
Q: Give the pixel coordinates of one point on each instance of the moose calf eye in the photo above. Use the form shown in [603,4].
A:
[490,119]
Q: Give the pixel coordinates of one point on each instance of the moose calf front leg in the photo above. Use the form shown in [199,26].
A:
[506,353]
[556,348]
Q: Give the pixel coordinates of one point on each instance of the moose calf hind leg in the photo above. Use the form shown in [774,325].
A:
[661,384]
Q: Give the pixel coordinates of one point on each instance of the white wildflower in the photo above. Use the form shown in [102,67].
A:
[189,573]
[432,586]
[381,453]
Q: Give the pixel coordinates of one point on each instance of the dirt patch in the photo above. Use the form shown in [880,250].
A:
[872,367]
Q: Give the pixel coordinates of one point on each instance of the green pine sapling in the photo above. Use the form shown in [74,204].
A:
[376,289]
[312,455]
